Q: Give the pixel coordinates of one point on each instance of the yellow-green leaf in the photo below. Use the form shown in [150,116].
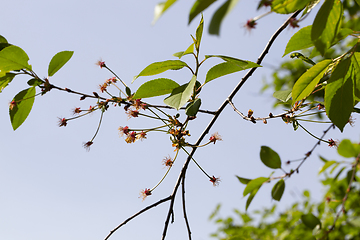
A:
[156,87]
[304,86]
[21,106]
[13,58]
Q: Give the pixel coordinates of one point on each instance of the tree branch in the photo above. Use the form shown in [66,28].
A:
[218,112]
[137,214]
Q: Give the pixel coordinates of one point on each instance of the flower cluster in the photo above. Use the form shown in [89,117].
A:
[131,136]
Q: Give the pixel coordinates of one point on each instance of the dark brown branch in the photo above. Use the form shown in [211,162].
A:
[184,207]
[218,112]
[136,214]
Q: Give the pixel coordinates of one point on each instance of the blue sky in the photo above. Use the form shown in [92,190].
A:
[53,189]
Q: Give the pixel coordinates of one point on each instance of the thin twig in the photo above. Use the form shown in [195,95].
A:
[184,208]
[136,214]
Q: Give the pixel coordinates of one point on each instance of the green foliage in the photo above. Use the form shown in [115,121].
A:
[58,61]
[193,107]
[156,87]
[278,190]
[326,25]
[304,219]
[308,81]
[13,58]
[5,80]
[219,16]
[198,7]
[288,6]
[21,106]
[180,95]
[159,67]
[270,158]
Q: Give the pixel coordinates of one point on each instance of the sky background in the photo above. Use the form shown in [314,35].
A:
[51,188]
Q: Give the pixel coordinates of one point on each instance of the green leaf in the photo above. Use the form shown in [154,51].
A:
[221,69]
[5,80]
[323,159]
[181,95]
[250,198]
[58,61]
[3,39]
[35,82]
[295,124]
[156,87]
[13,58]
[269,157]
[283,95]
[310,220]
[241,63]
[193,108]
[358,2]
[326,25]
[159,67]
[347,149]
[24,101]
[288,6]
[339,94]
[355,62]
[278,190]
[254,184]
[244,180]
[306,83]
[199,32]
[326,166]
[160,8]
[189,50]
[219,15]
[198,7]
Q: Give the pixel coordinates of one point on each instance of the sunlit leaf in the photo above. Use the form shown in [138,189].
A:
[278,190]
[198,7]
[326,25]
[306,83]
[288,6]
[241,63]
[243,180]
[310,220]
[251,197]
[283,95]
[269,157]
[199,32]
[347,149]
[5,80]
[13,58]
[339,94]
[156,87]
[254,184]
[21,108]
[159,67]
[58,61]
[189,50]
[219,15]
[160,8]
[355,62]
[181,95]
[326,166]
[221,69]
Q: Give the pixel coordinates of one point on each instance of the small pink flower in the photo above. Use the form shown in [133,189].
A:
[62,122]
[250,24]
[87,145]
[101,63]
[215,181]
[215,137]
[123,130]
[144,193]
